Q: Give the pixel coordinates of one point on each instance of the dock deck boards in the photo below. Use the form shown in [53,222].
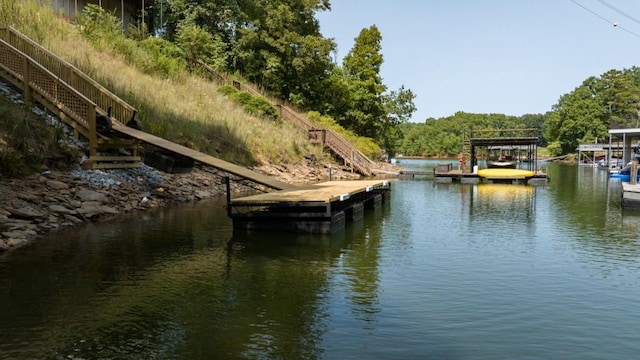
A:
[325,192]
[201,157]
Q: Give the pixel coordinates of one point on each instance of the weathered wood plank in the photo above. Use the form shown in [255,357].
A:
[323,192]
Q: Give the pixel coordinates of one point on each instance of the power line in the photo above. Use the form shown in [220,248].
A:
[605,19]
[619,11]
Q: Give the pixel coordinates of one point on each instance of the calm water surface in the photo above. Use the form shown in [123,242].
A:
[443,272]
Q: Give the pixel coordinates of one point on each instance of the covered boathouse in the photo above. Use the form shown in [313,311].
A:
[523,143]
[322,208]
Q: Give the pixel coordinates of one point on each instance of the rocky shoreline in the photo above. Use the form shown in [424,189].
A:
[33,206]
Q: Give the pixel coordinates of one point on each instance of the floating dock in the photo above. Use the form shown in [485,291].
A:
[515,176]
[320,208]
[630,195]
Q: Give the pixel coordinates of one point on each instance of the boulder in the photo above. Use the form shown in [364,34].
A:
[90,195]
[26,213]
[57,185]
[61,210]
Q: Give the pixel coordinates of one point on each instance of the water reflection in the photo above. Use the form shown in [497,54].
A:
[446,271]
[502,204]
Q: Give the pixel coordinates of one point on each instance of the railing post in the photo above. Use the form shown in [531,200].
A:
[93,136]
[26,79]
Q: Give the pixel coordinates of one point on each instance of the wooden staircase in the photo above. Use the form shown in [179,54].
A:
[349,154]
[71,95]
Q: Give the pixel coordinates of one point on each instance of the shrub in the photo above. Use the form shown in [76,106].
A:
[255,105]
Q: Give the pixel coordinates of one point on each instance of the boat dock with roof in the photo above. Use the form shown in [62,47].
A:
[523,142]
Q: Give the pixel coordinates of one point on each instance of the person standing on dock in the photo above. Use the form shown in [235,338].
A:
[463,162]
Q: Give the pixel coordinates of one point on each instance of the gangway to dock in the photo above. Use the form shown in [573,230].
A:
[201,157]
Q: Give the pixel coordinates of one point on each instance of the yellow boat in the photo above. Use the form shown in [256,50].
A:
[496,173]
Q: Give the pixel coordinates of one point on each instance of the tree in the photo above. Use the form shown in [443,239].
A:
[580,117]
[399,107]
[362,71]
[279,46]
[620,94]
[588,112]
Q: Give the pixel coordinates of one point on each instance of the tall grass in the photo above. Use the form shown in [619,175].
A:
[182,108]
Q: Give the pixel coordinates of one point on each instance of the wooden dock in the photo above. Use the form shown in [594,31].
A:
[538,178]
[464,177]
[316,208]
[411,174]
[630,195]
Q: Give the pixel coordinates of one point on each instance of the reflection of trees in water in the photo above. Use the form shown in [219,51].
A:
[587,204]
[359,268]
[302,272]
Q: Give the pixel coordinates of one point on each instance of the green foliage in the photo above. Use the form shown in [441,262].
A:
[165,58]
[554,148]
[444,137]
[362,71]
[99,26]
[587,113]
[399,107]
[138,32]
[256,105]
[152,55]
[278,45]
[198,44]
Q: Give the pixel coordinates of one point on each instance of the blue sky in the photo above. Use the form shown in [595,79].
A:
[511,57]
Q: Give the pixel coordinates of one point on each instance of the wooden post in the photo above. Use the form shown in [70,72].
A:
[633,180]
[93,136]
[227,182]
[26,79]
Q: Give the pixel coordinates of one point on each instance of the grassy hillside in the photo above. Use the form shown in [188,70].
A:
[183,108]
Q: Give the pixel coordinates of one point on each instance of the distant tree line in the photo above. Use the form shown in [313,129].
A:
[584,115]
[444,137]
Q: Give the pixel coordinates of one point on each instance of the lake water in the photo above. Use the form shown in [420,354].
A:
[445,271]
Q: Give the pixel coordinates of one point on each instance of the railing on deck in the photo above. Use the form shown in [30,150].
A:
[69,74]
[49,89]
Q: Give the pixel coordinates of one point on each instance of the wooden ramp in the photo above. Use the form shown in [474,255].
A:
[201,157]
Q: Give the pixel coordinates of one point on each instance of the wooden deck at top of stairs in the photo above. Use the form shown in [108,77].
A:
[201,157]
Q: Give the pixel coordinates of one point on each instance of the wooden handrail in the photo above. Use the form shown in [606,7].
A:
[68,73]
[333,140]
[59,97]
